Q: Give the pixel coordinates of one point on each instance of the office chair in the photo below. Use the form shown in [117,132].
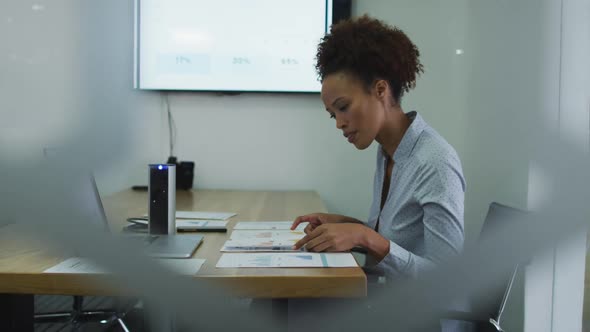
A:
[69,311]
[490,320]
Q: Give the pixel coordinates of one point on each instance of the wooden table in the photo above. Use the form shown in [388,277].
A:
[21,265]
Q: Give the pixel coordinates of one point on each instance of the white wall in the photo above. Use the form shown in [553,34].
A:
[503,100]
[38,87]
[554,292]
[518,70]
[504,97]
[438,29]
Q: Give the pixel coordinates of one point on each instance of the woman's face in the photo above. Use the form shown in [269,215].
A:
[358,113]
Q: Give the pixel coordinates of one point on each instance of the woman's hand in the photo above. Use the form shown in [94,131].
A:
[316,219]
[333,237]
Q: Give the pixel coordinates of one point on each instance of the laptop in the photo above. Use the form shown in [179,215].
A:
[161,246]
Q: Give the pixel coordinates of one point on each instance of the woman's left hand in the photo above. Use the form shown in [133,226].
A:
[333,237]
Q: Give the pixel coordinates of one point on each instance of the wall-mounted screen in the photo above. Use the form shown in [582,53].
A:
[230,45]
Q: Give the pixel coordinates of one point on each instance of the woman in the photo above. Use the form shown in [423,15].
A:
[416,217]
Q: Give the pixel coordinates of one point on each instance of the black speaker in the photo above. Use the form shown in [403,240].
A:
[185,173]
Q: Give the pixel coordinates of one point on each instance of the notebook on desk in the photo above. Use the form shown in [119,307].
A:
[202,215]
[185,225]
[162,246]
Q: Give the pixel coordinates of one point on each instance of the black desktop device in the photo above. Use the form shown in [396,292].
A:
[185,173]
[162,199]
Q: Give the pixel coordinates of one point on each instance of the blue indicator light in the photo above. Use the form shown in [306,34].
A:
[160,167]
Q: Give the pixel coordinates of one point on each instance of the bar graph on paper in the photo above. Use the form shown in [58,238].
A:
[294,259]
[261,261]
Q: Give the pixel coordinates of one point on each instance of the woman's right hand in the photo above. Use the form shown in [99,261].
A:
[316,219]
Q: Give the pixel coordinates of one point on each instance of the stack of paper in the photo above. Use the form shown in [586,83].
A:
[266,234]
[273,225]
[262,240]
[258,245]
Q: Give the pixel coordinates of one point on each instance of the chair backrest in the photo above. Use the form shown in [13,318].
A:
[500,216]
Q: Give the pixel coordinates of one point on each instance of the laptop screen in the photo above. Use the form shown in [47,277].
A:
[86,202]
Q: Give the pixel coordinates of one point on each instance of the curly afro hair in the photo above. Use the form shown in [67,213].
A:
[370,50]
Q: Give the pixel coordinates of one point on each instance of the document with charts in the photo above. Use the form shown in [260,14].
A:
[286,259]
[273,225]
[84,265]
